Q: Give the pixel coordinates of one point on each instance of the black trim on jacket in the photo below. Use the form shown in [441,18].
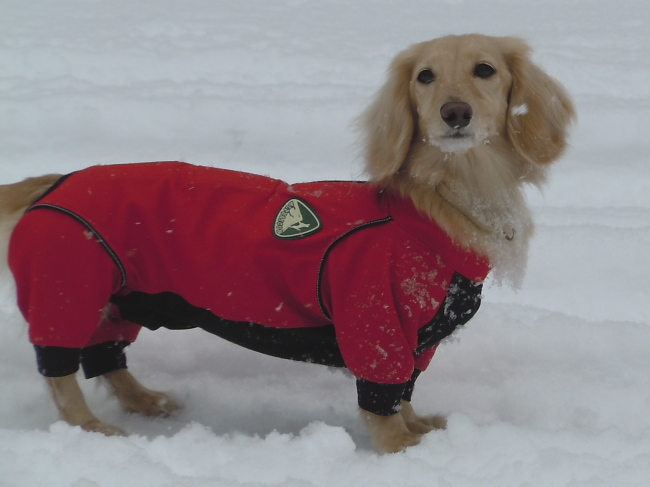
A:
[95,360]
[461,303]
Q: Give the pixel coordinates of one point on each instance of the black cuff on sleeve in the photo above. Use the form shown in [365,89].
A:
[57,361]
[105,357]
[410,385]
[381,399]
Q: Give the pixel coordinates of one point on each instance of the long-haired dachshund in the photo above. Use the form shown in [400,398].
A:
[368,276]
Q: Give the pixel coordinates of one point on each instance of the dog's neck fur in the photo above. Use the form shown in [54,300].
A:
[477,197]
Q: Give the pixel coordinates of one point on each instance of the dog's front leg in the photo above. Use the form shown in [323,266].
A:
[390,434]
[72,406]
[136,398]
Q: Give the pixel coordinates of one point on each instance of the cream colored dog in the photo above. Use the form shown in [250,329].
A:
[462,124]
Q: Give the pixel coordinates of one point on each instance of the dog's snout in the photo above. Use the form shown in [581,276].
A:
[456,114]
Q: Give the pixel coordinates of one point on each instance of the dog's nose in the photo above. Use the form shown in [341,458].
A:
[456,114]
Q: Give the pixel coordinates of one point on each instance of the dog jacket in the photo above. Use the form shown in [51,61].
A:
[343,274]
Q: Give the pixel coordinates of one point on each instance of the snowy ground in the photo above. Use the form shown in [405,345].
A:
[549,386]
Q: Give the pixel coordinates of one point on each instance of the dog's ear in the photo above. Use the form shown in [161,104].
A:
[540,110]
[388,123]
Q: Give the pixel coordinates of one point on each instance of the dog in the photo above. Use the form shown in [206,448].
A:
[370,276]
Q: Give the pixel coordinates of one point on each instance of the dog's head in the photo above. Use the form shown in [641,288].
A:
[459,94]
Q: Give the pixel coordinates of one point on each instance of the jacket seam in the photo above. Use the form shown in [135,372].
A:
[329,249]
[90,227]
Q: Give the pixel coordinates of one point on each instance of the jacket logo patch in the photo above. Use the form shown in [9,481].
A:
[296,219]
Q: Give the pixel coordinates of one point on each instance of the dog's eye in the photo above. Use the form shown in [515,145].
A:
[426,76]
[484,70]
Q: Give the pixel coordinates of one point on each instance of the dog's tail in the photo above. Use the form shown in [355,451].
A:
[17,197]
[14,200]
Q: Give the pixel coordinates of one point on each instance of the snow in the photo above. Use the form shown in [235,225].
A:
[457,146]
[519,110]
[547,386]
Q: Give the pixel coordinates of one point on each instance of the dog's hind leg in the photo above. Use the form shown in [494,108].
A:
[136,398]
[72,406]
[107,359]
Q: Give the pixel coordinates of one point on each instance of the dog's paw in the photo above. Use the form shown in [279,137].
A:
[390,434]
[135,398]
[97,426]
[421,424]
[397,443]
[426,424]
[150,403]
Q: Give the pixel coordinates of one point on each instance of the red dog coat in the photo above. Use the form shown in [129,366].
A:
[337,273]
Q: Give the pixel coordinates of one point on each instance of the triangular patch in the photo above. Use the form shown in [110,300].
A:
[296,219]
